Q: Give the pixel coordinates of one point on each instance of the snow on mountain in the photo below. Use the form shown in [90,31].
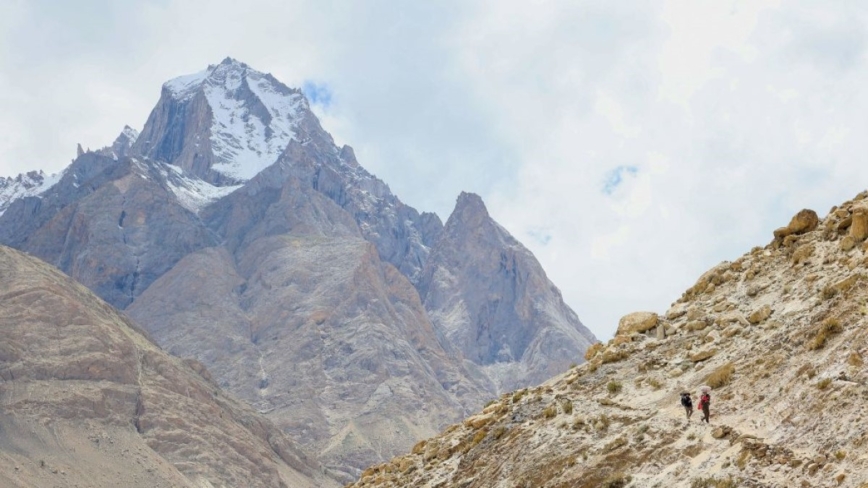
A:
[130,133]
[254,116]
[29,184]
[193,193]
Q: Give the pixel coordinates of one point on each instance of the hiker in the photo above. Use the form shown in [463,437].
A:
[687,403]
[705,405]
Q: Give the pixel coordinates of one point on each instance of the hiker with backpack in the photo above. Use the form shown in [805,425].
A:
[705,405]
[687,403]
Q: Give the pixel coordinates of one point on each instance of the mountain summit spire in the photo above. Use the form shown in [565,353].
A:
[225,123]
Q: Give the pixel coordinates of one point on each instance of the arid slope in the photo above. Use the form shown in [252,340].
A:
[87,400]
[780,334]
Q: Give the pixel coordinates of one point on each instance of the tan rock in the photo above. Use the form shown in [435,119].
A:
[696,325]
[637,322]
[841,213]
[802,253]
[845,223]
[790,240]
[848,243]
[675,312]
[859,229]
[804,221]
[760,314]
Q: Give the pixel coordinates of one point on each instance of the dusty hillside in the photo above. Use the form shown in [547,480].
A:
[87,400]
[780,333]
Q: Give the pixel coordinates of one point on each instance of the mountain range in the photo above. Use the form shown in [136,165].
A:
[235,232]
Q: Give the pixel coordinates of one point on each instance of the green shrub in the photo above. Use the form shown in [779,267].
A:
[614,387]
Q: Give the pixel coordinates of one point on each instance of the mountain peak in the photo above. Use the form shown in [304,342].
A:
[469,209]
[237,121]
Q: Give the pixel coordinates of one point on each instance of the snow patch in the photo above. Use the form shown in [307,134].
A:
[32,184]
[193,193]
[184,87]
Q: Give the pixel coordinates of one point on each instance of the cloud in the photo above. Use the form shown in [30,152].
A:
[629,145]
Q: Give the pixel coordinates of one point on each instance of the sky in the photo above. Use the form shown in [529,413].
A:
[630,145]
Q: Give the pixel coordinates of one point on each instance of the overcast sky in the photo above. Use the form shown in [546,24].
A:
[631,145]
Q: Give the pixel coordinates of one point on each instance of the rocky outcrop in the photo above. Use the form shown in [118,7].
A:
[786,388]
[86,399]
[637,322]
[490,299]
[804,221]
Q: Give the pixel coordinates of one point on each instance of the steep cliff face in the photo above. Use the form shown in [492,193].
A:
[113,225]
[491,299]
[306,323]
[779,336]
[86,399]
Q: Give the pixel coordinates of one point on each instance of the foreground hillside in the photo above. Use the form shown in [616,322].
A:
[87,400]
[779,334]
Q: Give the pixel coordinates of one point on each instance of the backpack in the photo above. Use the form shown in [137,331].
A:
[685,401]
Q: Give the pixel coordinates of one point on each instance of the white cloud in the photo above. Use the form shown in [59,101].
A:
[734,114]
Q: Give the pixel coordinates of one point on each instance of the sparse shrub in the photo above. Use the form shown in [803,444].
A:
[826,329]
[604,422]
[477,438]
[840,455]
[824,383]
[610,356]
[490,403]
[568,407]
[806,369]
[714,483]
[517,395]
[855,359]
[579,423]
[617,480]
[721,376]
[614,387]
[741,462]
[550,412]
[498,432]
[655,383]
[829,292]
[593,350]
[573,365]
[691,436]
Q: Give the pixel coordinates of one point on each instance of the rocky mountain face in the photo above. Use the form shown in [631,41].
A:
[491,300]
[780,337]
[236,232]
[87,400]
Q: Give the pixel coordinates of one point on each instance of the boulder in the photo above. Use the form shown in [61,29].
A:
[696,325]
[637,322]
[760,314]
[859,228]
[848,243]
[804,221]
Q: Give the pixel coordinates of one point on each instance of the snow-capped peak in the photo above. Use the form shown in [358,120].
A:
[254,116]
[33,183]
[130,133]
